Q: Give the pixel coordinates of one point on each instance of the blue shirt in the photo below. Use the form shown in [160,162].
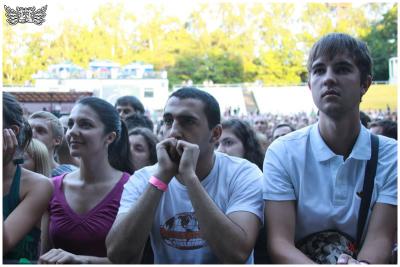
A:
[300,166]
[63,168]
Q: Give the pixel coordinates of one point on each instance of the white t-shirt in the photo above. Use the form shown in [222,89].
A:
[234,184]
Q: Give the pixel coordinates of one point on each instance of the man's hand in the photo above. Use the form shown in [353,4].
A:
[347,259]
[168,159]
[10,145]
[189,155]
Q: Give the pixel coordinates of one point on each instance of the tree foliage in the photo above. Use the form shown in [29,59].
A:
[382,41]
[222,42]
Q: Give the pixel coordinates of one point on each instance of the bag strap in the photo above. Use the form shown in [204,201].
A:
[368,186]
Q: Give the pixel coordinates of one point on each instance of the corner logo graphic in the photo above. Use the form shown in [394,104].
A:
[182,232]
[25,15]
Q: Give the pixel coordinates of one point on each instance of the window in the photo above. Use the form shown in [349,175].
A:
[148,92]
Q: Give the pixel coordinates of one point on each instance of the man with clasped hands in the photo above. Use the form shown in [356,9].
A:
[197,205]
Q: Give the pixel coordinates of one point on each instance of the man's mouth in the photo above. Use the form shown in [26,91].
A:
[330,92]
[74,143]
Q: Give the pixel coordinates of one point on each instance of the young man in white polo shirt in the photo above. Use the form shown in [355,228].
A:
[197,205]
[313,176]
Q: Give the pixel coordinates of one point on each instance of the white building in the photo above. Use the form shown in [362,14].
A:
[247,98]
[105,80]
[393,70]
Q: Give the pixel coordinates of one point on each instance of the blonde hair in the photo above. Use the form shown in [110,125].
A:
[40,155]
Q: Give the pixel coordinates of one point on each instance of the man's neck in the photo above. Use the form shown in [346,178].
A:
[204,166]
[340,135]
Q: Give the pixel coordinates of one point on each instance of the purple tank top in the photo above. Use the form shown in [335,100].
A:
[83,234]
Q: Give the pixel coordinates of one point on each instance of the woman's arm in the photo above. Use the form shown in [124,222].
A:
[59,256]
[46,243]
[28,212]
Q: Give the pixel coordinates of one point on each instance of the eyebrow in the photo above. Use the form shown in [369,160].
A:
[320,64]
[344,63]
[81,119]
[180,116]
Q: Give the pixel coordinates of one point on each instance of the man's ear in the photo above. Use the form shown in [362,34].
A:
[309,86]
[57,141]
[216,133]
[366,84]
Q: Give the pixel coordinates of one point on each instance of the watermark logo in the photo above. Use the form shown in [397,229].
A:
[25,15]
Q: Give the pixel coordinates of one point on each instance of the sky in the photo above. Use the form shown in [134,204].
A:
[81,10]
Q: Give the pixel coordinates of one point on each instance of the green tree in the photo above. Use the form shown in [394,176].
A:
[224,68]
[382,41]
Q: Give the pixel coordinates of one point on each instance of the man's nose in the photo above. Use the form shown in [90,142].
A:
[175,131]
[330,77]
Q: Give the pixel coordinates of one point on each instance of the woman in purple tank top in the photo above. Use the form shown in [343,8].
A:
[85,202]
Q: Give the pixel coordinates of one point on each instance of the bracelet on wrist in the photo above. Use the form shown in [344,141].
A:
[157,183]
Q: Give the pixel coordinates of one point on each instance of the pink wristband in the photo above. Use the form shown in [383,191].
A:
[160,185]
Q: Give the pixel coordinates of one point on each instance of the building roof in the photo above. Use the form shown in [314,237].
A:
[37,97]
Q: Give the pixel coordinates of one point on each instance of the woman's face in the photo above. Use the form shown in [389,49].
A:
[230,144]
[85,134]
[140,151]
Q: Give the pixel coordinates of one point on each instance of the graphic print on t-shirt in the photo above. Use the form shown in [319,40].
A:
[182,232]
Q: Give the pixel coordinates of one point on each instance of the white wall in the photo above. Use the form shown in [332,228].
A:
[290,99]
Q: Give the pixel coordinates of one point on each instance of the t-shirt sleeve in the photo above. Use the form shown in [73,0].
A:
[277,184]
[388,168]
[133,189]
[246,192]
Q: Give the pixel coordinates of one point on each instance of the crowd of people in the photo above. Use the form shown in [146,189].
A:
[105,184]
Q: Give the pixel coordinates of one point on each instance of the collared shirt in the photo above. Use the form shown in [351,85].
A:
[301,167]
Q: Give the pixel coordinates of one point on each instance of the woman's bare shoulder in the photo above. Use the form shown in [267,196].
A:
[32,181]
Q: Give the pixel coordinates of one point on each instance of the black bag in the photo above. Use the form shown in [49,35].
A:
[326,246]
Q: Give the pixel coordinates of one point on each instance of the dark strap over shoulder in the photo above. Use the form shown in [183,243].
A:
[368,186]
[11,200]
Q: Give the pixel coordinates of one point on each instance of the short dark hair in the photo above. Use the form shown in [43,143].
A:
[138,120]
[151,140]
[280,125]
[211,106]
[132,101]
[119,154]
[389,128]
[247,136]
[334,43]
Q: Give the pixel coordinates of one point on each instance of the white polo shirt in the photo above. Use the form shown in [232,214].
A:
[300,166]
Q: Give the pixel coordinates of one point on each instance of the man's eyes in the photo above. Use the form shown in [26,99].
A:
[343,70]
[338,70]
[188,121]
[168,122]
[40,130]
[318,71]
